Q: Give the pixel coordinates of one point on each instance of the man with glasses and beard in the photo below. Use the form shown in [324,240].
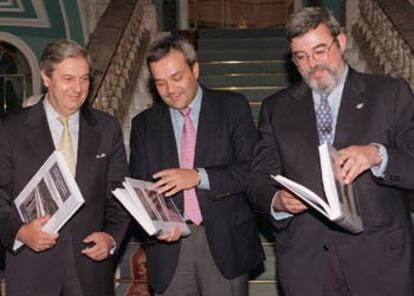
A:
[369,120]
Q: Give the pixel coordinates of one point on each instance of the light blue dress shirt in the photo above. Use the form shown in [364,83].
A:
[178,123]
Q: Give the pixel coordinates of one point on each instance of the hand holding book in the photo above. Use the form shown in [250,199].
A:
[34,237]
[287,202]
[341,203]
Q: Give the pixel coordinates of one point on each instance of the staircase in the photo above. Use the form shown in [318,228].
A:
[254,62]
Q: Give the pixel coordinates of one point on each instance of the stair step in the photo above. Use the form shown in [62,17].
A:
[243,55]
[263,289]
[256,79]
[244,43]
[259,66]
[253,94]
[241,33]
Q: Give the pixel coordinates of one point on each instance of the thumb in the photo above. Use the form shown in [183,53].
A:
[89,238]
[42,220]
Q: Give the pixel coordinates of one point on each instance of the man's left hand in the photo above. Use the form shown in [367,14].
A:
[101,244]
[355,160]
[171,181]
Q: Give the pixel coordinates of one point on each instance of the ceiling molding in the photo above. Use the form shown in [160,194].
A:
[65,19]
[11,6]
[41,20]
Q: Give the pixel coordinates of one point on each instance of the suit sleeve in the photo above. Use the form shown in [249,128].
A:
[138,155]
[10,222]
[230,178]
[261,188]
[400,167]
[116,219]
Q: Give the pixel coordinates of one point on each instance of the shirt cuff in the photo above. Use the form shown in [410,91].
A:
[112,250]
[379,169]
[204,181]
[276,214]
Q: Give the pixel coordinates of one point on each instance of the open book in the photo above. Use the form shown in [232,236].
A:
[51,191]
[341,205]
[154,212]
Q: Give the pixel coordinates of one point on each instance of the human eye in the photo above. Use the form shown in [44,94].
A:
[159,83]
[67,78]
[177,77]
[299,56]
[320,51]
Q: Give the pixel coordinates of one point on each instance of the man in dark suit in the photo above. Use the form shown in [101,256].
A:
[76,261]
[369,119]
[200,159]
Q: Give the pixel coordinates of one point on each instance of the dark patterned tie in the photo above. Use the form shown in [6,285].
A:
[324,120]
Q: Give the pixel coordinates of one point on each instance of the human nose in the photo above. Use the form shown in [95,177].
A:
[77,85]
[170,87]
[311,60]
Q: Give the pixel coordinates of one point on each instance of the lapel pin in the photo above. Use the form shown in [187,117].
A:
[102,155]
[360,106]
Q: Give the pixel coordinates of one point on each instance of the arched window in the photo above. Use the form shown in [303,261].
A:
[15,78]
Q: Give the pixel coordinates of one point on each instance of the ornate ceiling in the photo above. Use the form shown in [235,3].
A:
[42,18]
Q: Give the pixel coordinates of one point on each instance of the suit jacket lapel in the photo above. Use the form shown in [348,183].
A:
[207,127]
[303,107]
[39,135]
[352,112]
[169,156]
[89,139]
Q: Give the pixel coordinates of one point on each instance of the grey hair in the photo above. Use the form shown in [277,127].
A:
[308,19]
[58,50]
[162,47]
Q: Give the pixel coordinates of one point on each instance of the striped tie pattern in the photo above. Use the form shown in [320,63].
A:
[187,151]
[324,120]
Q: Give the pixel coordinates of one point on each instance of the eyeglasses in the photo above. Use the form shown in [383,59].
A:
[301,58]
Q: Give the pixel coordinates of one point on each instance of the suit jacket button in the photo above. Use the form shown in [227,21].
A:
[325,247]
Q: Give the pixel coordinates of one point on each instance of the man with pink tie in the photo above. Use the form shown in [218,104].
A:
[196,144]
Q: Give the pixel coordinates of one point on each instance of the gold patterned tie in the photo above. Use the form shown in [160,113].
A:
[66,146]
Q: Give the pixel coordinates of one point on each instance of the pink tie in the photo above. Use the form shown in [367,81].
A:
[187,151]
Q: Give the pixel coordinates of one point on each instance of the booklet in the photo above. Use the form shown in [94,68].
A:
[341,205]
[51,191]
[154,212]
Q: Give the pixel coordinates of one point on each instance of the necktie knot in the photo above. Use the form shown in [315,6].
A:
[64,121]
[185,112]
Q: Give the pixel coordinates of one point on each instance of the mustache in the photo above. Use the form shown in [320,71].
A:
[320,67]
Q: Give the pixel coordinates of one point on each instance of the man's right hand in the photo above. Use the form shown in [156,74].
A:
[171,235]
[34,237]
[289,203]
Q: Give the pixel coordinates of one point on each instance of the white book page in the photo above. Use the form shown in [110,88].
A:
[305,194]
[136,211]
[330,175]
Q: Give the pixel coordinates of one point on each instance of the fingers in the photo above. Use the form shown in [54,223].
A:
[355,160]
[172,181]
[170,236]
[44,241]
[287,202]
[100,245]
[34,238]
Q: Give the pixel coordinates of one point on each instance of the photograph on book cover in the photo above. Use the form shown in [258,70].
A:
[47,197]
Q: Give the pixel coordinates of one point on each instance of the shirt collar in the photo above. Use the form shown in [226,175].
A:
[51,113]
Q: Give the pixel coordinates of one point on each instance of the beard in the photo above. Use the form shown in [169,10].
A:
[323,84]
